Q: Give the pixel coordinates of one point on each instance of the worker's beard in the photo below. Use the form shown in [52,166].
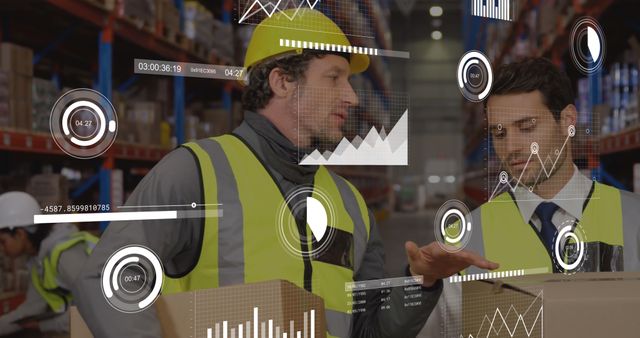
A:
[537,176]
[322,143]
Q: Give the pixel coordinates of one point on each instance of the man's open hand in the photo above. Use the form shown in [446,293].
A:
[433,262]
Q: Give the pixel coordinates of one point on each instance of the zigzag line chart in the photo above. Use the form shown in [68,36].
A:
[499,318]
[258,6]
[253,12]
[504,180]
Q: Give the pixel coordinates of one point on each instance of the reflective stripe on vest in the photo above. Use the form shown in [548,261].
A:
[243,246]
[47,284]
[515,244]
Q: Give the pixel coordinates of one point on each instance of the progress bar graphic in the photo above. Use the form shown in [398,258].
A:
[124,216]
[343,48]
[496,275]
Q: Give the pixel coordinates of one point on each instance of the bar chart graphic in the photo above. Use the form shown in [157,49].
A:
[265,329]
[271,309]
[493,9]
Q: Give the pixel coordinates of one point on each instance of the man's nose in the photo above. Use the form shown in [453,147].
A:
[514,142]
[349,95]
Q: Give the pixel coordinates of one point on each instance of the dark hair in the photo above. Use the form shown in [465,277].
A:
[258,92]
[36,238]
[534,74]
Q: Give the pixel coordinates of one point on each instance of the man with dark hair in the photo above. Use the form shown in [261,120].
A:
[294,97]
[540,191]
[532,121]
[531,106]
[535,74]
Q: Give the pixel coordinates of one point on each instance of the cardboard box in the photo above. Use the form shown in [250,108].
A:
[144,118]
[553,305]
[219,119]
[44,95]
[182,315]
[199,24]
[168,14]
[16,59]
[223,40]
[15,100]
[49,189]
[144,10]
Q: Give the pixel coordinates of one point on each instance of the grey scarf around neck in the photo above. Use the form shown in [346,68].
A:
[279,153]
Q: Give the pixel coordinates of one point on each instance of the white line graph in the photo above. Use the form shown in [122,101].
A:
[252,10]
[535,150]
[377,148]
[503,318]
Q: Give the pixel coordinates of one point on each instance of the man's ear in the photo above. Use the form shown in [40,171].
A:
[568,117]
[280,84]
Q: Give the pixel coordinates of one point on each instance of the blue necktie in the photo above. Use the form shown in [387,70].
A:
[548,231]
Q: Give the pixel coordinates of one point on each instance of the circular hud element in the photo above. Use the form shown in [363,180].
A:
[313,205]
[475,76]
[83,123]
[569,250]
[132,279]
[588,45]
[452,226]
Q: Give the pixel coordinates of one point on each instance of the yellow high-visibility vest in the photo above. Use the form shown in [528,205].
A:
[46,282]
[243,246]
[515,244]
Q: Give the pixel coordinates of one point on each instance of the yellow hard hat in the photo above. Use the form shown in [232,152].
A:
[301,28]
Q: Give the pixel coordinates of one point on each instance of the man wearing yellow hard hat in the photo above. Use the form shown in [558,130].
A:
[254,171]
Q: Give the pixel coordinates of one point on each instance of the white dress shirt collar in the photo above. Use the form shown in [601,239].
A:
[570,198]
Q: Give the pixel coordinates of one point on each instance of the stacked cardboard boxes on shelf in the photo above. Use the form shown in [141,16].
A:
[49,189]
[141,110]
[143,12]
[204,121]
[199,24]
[168,15]
[44,95]
[144,117]
[223,40]
[16,71]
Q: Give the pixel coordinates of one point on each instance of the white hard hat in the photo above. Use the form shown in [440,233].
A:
[17,209]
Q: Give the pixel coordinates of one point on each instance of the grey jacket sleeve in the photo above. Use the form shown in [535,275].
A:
[174,180]
[631,227]
[69,267]
[33,305]
[398,321]
[57,324]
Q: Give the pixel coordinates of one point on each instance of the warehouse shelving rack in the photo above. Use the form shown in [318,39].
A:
[109,28]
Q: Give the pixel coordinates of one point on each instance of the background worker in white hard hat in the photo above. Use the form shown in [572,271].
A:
[57,253]
[251,173]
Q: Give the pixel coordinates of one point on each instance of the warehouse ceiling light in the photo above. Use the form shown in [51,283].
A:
[436,11]
[436,35]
